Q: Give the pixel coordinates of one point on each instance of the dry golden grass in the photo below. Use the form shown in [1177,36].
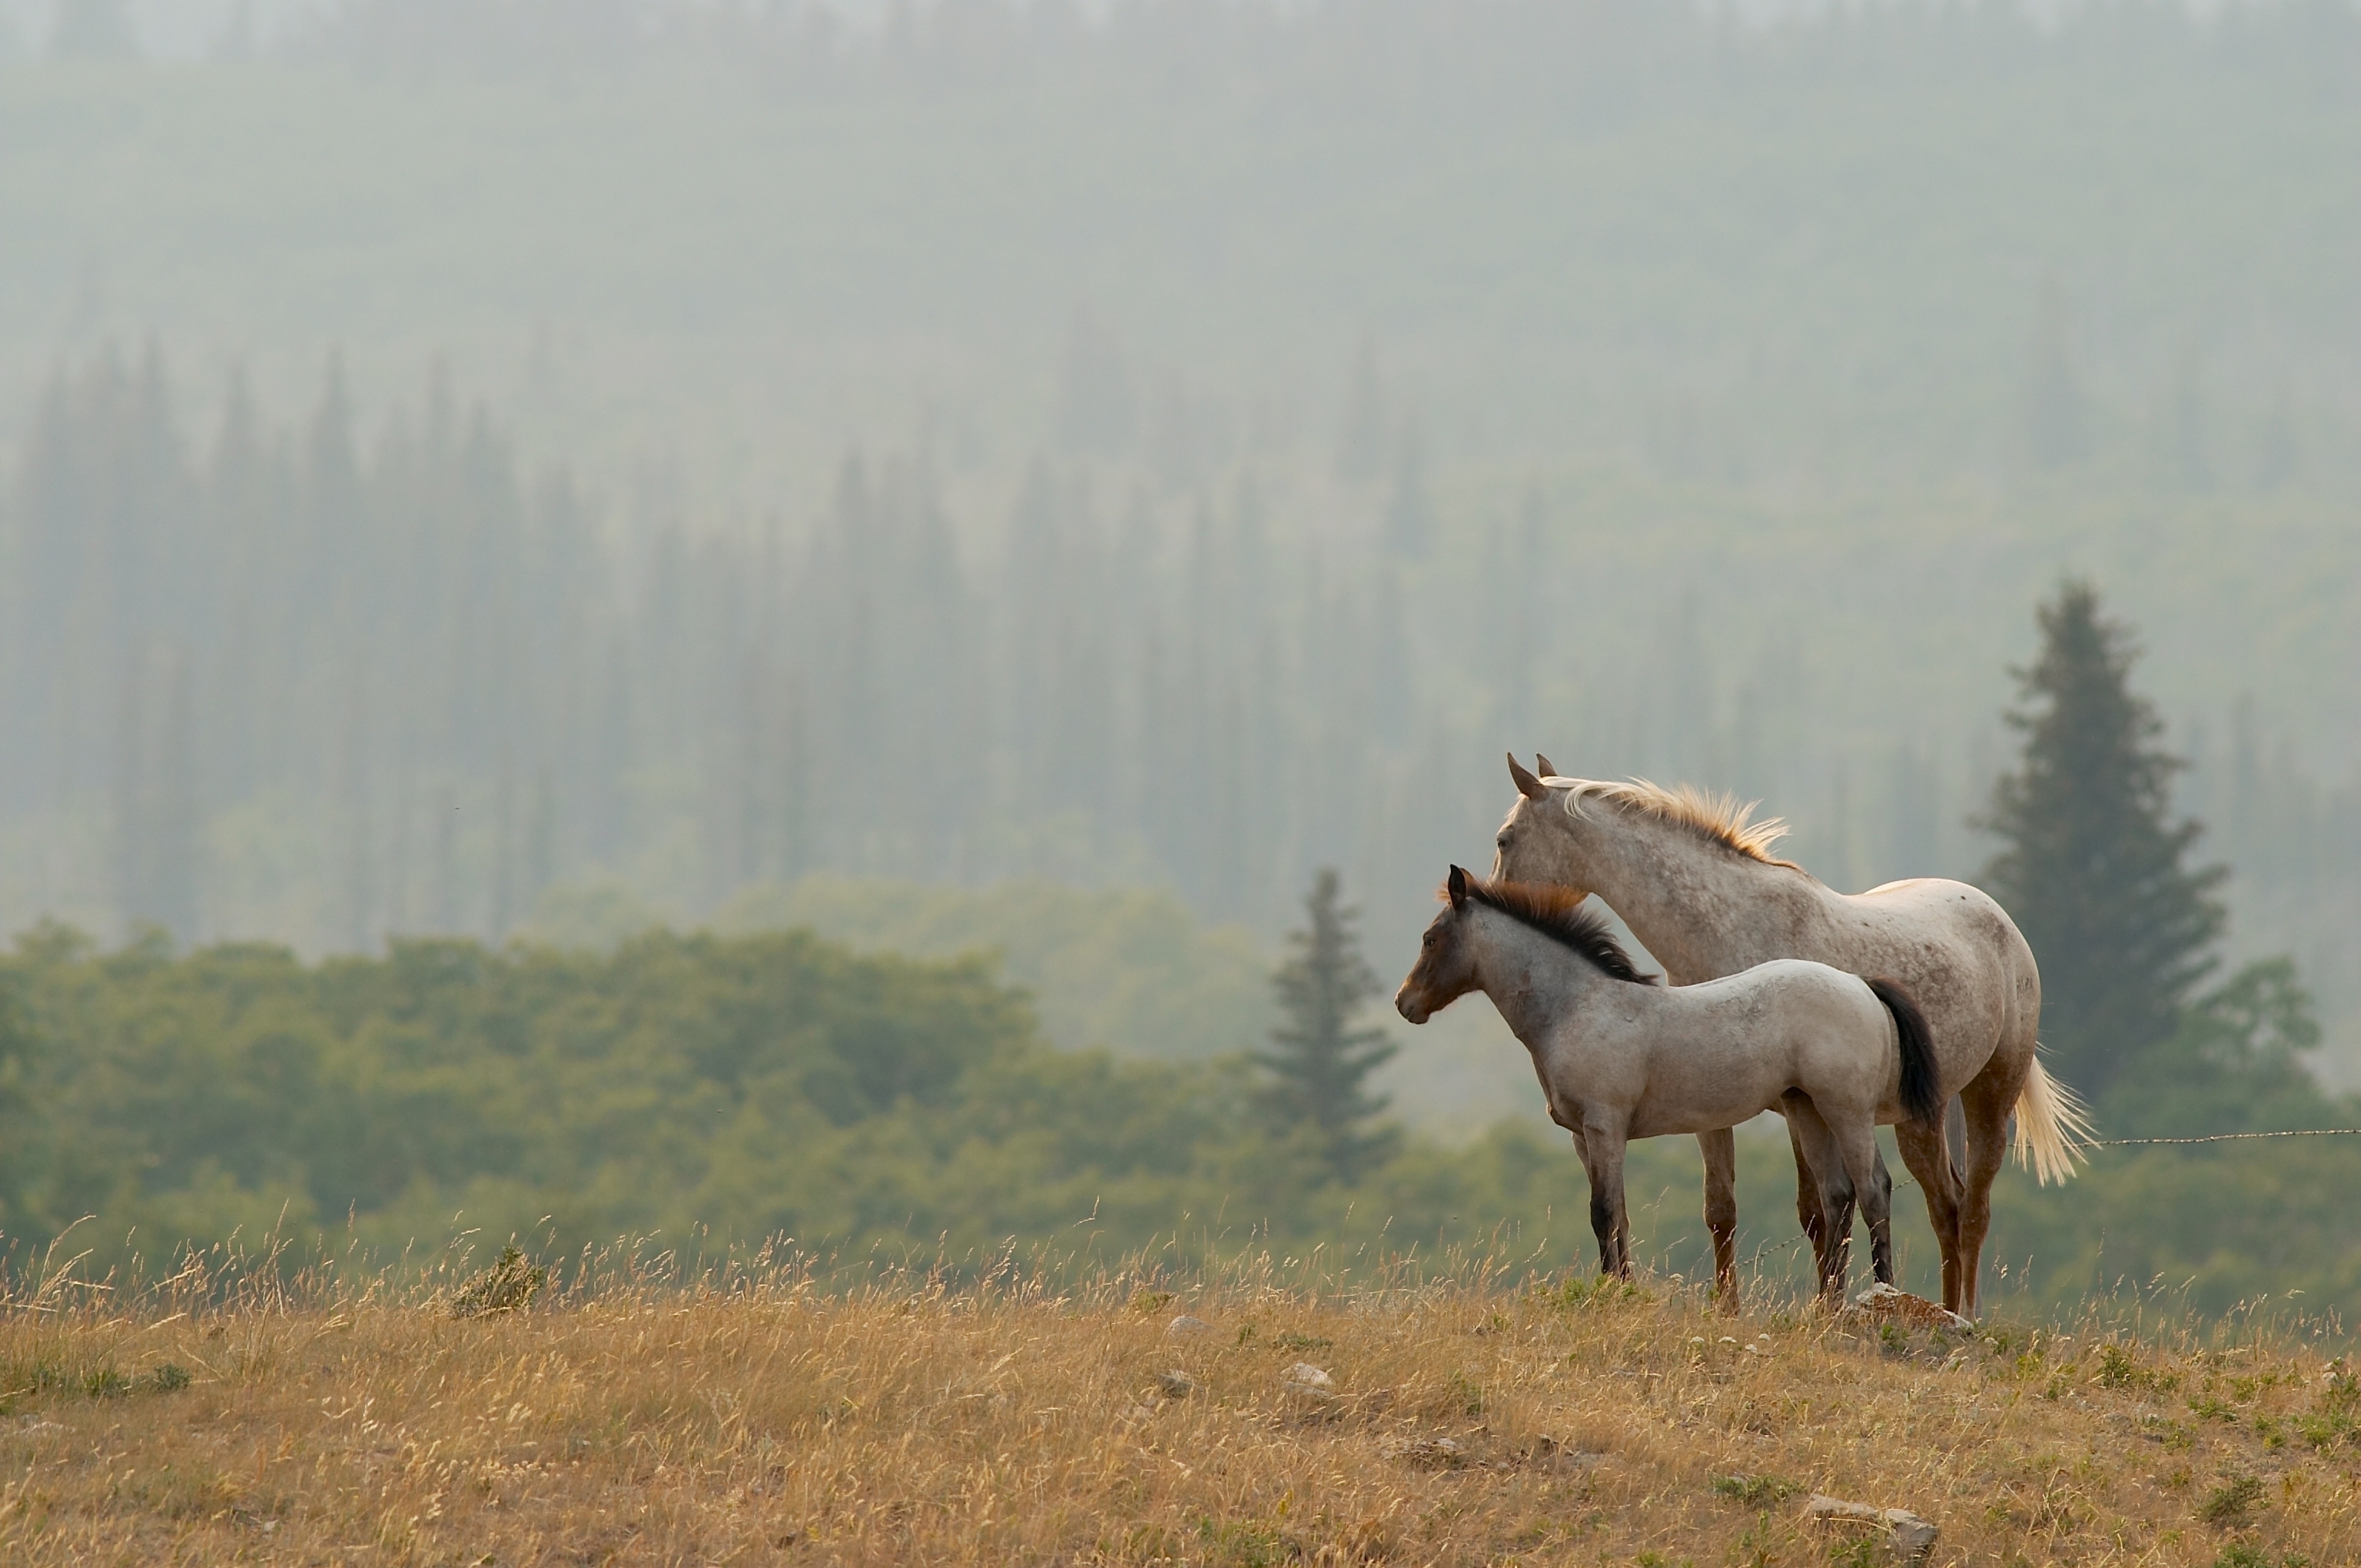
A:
[758,1418]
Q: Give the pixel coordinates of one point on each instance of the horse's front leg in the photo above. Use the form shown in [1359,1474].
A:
[1720,1151]
[1602,1161]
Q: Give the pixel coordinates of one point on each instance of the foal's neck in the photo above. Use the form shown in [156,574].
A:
[1701,909]
[1537,983]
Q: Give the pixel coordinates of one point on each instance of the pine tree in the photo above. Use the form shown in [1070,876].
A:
[1319,1064]
[2094,870]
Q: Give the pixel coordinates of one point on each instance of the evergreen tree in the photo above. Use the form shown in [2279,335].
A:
[1319,1063]
[2092,869]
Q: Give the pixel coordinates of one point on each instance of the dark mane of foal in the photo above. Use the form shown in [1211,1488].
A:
[1564,918]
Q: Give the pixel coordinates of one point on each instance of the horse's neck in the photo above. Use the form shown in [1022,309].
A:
[1700,909]
[1538,986]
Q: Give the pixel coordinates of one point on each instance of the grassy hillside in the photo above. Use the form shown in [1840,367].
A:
[758,1416]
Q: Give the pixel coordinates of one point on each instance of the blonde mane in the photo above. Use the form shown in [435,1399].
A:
[1720,818]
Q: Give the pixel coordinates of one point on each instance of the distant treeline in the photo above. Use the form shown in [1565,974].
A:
[319,684]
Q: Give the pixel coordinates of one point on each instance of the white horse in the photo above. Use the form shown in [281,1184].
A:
[1694,881]
[1621,1057]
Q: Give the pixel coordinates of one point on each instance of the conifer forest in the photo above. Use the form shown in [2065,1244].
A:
[521,514]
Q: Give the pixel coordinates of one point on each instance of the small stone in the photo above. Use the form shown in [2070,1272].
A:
[1912,1536]
[1308,1381]
[1176,1384]
[1883,1303]
[1184,1327]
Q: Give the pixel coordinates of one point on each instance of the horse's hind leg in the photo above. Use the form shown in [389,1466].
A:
[1720,1151]
[1808,1199]
[1817,1162]
[1927,1154]
[1826,1159]
[1859,1144]
[1988,1099]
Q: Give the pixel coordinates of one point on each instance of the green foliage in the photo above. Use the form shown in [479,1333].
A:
[719,1091]
[1130,970]
[2234,1063]
[1319,1063]
[509,1283]
[1754,1491]
[2091,869]
[2230,1503]
[730,1089]
[2245,1554]
[740,1082]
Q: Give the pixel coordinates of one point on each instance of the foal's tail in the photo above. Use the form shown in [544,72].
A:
[2052,1126]
[1922,1082]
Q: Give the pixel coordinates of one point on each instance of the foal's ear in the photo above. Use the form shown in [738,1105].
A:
[1549,769]
[1456,885]
[1527,785]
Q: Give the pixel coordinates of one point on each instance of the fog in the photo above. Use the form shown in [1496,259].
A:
[457,457]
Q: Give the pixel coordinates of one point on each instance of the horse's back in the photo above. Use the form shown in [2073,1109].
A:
[1793,989]
[1956,948]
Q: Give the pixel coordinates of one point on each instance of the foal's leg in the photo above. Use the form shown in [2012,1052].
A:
[1812,1135]
[1817,1162]
[1857,1142]
[1602,1158]
[1807,1199]
[1720,1151]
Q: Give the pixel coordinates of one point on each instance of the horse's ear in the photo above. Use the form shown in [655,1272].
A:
[1548,768]
[1527,785]
[1456,885]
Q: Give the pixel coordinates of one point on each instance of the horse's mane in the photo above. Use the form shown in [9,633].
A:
[1717,817]
[1561,914]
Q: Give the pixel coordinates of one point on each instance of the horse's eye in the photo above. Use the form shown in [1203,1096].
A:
[1501,842]
[1427,940]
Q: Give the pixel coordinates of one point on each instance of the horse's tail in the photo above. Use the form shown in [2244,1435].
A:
[1922,1082]
[2052,1127]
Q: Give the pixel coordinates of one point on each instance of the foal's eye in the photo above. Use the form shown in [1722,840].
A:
[1501,842]
[1427,940]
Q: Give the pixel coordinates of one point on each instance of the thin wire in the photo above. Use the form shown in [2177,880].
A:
[2227,1138]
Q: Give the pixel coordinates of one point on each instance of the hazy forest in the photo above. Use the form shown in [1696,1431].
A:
[1048,478]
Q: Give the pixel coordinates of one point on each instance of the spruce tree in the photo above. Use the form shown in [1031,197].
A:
[2094,870]
[1319,1063]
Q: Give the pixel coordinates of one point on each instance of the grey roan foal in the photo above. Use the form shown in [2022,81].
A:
[1620,1057]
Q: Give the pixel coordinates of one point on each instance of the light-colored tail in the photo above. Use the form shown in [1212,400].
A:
[2052,1127]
